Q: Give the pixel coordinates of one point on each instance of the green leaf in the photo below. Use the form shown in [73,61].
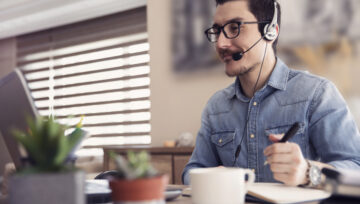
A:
[67,144]
[46,144]
[137,166]
[122,166]
[31,147]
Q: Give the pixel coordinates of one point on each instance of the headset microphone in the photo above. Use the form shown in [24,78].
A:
[238,55]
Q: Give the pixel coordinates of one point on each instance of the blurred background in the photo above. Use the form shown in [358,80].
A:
[319,36]
[142,71]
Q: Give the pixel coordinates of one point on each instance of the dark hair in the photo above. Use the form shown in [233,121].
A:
[263,10]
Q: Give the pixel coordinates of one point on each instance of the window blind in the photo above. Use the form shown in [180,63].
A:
[98,69]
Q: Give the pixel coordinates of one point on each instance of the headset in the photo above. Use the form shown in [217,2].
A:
[270,29]
[268,34]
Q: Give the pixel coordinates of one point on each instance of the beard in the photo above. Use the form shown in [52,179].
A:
[241,71]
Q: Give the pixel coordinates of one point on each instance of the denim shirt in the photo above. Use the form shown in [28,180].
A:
[328,132]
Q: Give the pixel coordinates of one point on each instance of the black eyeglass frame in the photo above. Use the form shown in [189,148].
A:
[221,29]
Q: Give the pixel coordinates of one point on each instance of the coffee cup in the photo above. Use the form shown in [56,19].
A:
[220,185]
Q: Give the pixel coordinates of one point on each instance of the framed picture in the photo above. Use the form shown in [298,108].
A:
[191,49]
[302,23]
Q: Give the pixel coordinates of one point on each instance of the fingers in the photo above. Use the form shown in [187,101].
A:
[278,148]
[280,158]
[287,163]
[275,137]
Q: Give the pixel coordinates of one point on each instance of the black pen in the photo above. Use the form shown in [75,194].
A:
[289,134]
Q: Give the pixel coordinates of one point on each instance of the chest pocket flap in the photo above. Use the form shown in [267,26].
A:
[221,139]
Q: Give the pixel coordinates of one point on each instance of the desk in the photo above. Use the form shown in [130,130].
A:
[168,160]
[181,199]
[187,200]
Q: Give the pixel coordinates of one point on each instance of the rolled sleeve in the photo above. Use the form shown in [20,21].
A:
[332,129]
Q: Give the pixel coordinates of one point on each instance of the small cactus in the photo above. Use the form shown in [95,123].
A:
[136,166]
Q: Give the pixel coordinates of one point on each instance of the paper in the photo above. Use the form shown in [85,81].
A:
[280,193]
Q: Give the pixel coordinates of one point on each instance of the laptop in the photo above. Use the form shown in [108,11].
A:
[15,105]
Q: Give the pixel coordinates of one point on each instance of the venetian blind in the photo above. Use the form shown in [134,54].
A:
[98,69]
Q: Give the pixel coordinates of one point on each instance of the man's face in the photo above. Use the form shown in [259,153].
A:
[249,34]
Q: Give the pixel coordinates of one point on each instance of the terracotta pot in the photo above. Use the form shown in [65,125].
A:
[145,189]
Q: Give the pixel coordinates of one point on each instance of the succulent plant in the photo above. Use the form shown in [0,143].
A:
[136,166]
[47,146]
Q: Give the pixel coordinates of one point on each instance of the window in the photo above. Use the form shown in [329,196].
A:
[97,68]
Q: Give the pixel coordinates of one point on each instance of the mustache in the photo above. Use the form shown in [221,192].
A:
[226,52]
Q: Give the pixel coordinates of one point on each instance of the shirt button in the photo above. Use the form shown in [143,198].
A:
[252,136]
[220,140]
[255,103]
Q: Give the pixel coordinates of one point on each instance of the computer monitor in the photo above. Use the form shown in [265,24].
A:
[15,105]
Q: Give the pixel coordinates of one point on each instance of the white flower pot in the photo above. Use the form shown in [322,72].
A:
[57,188]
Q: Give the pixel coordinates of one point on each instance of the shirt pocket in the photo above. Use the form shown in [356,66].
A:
[224,143]
[298,138]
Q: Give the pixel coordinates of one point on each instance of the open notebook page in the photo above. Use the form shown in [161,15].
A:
[280,193]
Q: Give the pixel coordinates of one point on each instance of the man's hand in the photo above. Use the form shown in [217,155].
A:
[286,161]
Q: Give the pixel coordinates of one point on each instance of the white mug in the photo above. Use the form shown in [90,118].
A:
[219,185]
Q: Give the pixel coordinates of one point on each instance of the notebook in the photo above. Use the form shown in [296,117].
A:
[279,193]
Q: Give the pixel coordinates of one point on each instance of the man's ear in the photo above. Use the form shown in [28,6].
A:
[277,31]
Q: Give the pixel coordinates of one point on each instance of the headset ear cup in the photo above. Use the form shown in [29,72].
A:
[269,32]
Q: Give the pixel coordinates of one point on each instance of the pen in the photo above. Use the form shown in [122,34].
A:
[291,132]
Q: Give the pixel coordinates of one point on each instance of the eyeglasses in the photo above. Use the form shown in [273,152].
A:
[231,30]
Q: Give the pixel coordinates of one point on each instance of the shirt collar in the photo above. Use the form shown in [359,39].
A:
[278,80]
[279,76]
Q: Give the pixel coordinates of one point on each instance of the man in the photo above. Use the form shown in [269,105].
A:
[242,123]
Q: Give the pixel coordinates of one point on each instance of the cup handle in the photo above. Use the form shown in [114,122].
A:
[251,177]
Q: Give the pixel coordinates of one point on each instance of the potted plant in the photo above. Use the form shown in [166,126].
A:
[136,181]
[48,176]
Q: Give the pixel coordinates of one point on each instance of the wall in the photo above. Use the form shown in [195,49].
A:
[7,56]
[177,99]
[7,63]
